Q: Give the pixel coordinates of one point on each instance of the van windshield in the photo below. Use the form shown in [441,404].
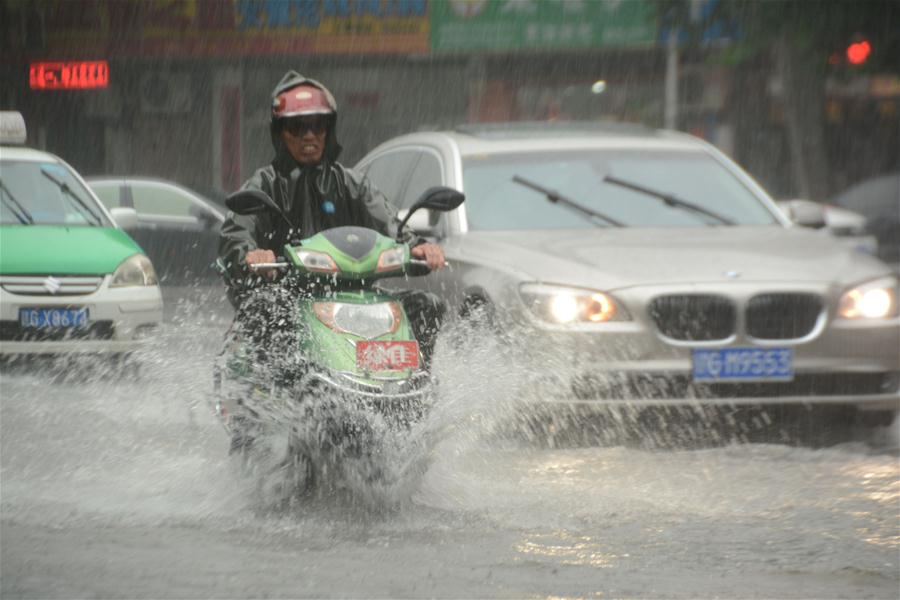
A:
[45,193]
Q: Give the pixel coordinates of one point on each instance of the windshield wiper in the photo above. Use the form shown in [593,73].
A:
[668,199]
[15,206]
[68,191]
[557,198]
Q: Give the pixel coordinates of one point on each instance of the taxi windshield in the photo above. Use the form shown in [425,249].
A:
[45,193]
[705,192]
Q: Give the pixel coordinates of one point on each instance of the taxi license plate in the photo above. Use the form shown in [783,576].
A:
[743,364]
[387,356]
[52,318]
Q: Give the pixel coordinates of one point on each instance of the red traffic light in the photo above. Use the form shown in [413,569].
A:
[858,52]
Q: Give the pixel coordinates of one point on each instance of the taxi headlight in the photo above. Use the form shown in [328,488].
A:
[136,270]
[559,304]
[872,300]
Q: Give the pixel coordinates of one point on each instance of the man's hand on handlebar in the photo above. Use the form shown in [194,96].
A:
[262,256]
[430,253]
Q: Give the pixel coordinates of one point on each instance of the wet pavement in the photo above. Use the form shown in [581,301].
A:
[121,486]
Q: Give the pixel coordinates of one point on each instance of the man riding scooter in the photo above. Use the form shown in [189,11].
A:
[315,193]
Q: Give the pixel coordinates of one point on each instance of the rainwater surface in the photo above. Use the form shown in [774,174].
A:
[120,486]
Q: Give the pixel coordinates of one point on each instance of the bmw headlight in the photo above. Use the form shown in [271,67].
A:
[560,304]
[136,270]
[872,300]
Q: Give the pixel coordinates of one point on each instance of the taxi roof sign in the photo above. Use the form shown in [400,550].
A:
[12,128]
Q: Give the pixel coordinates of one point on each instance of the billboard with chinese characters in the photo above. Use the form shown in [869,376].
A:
[510,25]
[234,28]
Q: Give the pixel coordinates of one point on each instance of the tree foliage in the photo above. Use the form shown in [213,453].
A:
[823,28]
[804,44]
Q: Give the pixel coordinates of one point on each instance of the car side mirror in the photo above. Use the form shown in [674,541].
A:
[439,198]
[249,202]
[125,218]
[804,213]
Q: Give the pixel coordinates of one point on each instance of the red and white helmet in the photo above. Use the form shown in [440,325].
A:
[302,100]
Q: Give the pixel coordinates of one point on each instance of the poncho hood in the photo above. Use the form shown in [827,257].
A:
[291,80]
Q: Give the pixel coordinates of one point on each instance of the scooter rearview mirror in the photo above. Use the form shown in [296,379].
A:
[438,198]
[249,202]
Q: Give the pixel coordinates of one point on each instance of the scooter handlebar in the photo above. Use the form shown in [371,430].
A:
[417,266]
[420,267]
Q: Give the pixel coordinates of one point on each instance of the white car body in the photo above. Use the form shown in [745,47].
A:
[780,286]
[121,318]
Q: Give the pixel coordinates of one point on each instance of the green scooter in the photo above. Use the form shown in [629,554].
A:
[351,350]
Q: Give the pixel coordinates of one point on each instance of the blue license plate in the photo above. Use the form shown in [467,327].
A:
[53,318]
[744,364]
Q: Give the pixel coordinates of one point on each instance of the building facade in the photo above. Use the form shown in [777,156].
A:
[186,89]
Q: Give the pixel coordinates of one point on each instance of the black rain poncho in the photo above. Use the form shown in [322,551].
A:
[313,197]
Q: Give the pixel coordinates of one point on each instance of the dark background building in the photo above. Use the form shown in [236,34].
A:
[187,93]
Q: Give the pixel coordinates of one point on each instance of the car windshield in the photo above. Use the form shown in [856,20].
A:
[45,193]
[495,202]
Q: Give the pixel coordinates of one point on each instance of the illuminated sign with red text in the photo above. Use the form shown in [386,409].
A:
[69,75]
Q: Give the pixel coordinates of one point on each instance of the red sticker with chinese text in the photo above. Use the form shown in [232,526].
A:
[387,356]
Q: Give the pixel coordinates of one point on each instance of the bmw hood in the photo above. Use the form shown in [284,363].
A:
[60,250]
[619,258]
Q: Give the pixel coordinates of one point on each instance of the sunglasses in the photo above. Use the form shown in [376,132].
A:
[298,126]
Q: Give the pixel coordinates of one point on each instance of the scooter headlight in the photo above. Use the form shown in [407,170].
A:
[558,304]
[873,300]
[367,321]
[136,270]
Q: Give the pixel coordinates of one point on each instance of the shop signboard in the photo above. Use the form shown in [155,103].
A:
[233,28]
[513,25]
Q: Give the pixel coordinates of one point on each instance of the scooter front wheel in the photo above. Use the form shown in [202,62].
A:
[291,480]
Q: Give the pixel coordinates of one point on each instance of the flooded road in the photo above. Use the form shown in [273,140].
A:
[121,487]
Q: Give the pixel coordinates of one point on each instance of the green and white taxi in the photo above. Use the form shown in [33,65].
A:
[71,279]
